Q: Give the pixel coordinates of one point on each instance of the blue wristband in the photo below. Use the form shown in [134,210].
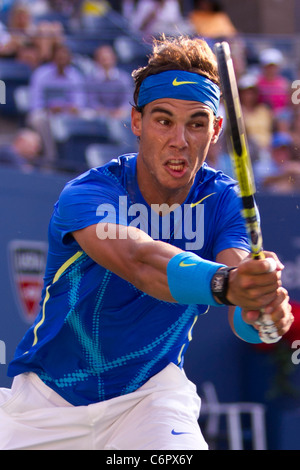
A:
[189,279]
[246,332]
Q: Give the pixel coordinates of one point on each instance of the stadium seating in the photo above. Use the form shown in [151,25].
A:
[73,135]
[99,154]
[131,51]
[14,74]
[53,16]
[236,433]
[109,25]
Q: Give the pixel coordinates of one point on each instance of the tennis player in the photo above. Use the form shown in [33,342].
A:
[102,367]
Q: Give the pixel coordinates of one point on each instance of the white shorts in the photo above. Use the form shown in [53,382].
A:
[162,414]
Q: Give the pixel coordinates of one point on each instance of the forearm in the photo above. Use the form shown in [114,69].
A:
[131,254]
[170,274]
[156,268]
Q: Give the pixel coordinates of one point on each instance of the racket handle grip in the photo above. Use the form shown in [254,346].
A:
[267,329]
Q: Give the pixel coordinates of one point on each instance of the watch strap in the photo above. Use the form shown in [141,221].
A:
[221,294]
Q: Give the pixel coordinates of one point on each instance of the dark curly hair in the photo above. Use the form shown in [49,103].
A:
[178,53]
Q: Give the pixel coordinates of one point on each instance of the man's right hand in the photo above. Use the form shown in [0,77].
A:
[252,286]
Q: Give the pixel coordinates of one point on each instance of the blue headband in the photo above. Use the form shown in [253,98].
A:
[180,85]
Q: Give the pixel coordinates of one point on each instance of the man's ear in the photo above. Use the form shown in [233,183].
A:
[217,129]
[136,122]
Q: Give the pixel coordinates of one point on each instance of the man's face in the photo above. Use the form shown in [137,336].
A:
[175,136]
[106,57]
[62,57]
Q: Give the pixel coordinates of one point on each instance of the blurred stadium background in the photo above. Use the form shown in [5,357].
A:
[251,395]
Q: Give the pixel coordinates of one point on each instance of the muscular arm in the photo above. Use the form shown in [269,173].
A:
[134,256]
[131,254]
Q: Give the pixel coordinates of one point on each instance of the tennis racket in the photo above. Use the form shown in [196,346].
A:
[243,170]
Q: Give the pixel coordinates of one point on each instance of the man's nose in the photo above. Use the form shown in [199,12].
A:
[178,138]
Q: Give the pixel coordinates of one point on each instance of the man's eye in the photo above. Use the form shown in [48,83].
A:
[164,122]
[197,125]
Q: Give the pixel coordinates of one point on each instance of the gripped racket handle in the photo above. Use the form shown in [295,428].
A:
[241,161]
[267,329]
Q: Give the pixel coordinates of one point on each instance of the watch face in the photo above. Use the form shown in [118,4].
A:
[218,283]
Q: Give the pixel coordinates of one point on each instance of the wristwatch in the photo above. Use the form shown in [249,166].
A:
[219,284]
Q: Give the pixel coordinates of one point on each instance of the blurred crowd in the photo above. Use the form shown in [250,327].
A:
[272,119]
[64,80]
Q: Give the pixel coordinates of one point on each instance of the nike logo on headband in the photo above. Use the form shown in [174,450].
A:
[176,83]
[180,85]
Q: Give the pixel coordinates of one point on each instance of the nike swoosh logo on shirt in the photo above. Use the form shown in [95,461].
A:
[199,202]
[178,433]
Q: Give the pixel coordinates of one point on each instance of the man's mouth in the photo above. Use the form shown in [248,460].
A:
[176,165]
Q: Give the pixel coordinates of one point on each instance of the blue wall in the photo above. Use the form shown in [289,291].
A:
[238,371]
[26,203]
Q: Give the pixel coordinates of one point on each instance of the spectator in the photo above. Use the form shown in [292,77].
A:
[283,120]
[44,34]
[47,35]
[257,116]
[153,17]
[209,20]
[274,88]
[295,133]
[111,88]
[28,53]
[20,26]
[5,36]
[64,7]
[20,18]
[218,156]
[23,152]
[90,10]
[55,88]
[281,175]
[128,9]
